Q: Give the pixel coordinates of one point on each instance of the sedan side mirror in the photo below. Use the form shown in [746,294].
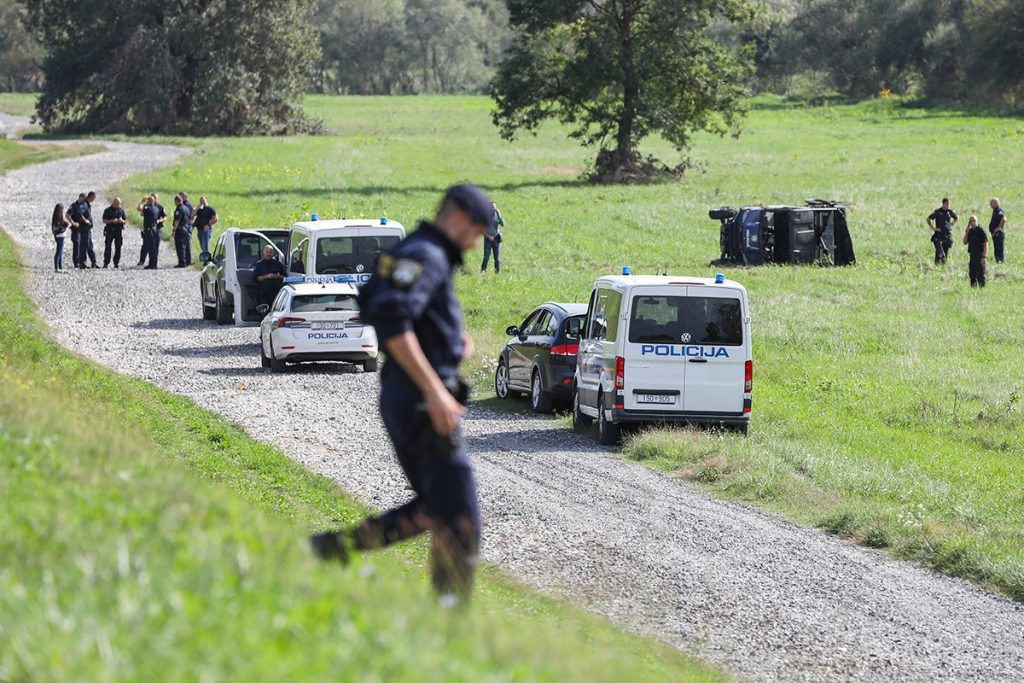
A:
[512,331]
[263,309]
[204,257]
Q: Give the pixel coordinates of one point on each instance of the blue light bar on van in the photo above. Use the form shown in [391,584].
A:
[383,220]
[314,217]
[719,278]
[626,270]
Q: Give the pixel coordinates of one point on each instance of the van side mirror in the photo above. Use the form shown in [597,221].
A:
[204,257]
[512,331]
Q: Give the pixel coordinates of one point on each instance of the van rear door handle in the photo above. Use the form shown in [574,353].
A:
[697,360]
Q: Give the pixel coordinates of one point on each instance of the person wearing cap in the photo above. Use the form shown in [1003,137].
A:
[410,301]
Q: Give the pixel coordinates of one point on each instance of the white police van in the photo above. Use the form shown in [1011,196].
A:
[316,318]
[664,349]
[347,247]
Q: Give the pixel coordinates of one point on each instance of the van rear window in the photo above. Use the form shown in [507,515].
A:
[344,255]
[686,320]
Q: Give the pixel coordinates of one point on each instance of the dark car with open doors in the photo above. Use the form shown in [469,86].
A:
[227,286]
[540,358]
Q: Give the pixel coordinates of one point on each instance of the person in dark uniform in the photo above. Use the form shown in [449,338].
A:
[153,217]
[269,274]
[997,226]
[182,222]
[74,217]
[977,248]
[204,220]
[410,300]
[86,249]
[941,221]
[114,220]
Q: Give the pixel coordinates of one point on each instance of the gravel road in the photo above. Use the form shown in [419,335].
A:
[766,599]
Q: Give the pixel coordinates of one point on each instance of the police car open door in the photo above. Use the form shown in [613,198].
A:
[686,351]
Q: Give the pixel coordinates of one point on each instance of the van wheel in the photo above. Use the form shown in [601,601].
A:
[209,313]
[370,365]
[501,388]
[223,313]
[608,433]
[539,399]
[264,361]
[580,421]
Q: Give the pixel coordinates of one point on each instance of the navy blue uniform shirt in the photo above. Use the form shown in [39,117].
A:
[76,213]
[944,218]
[86,209]
[184,217]
[997,217]
[151,214]
[976,239]
[110,213]
[412,290]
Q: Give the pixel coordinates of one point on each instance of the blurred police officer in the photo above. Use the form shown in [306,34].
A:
[997,226]
[410,300]
[977,247]
[153,217]
[182,222]
[941,221]
[269,274]
[114,220]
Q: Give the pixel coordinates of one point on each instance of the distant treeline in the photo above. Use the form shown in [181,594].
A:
[942,50]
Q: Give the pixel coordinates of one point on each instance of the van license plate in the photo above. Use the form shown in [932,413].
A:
[327,326]
[655,398]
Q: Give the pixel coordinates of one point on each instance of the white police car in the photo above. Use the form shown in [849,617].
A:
[316,319]
[664,349]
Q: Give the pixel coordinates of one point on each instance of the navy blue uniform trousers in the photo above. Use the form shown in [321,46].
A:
[445,503]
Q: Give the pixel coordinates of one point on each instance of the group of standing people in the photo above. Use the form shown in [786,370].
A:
[941,222]
[77,220]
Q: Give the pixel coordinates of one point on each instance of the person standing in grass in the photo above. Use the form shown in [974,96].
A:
[205,219]
[492,240]
[977,247]
[997,226]
[941,221]
[59,224]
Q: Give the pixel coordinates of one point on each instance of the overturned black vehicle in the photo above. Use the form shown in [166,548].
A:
[814,233]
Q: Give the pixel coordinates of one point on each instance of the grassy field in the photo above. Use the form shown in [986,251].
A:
[145,539]
[20,104]
[887,396]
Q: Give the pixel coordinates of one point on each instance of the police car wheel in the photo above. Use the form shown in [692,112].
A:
[264,361]
[370,365]
[275,364]
[223,312]
[579,421]
[501,387]
[608,433]
[539,399]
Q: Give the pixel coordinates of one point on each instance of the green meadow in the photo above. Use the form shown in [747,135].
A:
[145,539]
[887,396]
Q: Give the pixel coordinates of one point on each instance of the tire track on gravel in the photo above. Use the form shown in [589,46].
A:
[767,599]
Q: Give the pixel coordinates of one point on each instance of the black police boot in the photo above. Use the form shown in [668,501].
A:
[329,545]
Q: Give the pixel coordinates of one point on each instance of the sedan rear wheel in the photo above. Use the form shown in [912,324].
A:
[275,364]
[501,387]
[539,399]
[264,360]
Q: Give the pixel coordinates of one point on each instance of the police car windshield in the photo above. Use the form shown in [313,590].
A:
[343,255]
[686,320]
[312,303]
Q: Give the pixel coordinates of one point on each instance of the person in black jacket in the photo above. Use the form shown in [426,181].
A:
[977,247]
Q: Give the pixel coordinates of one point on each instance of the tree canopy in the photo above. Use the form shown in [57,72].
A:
[618,71]
[200,67]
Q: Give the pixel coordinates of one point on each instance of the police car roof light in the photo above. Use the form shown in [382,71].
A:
[314,217]
[626,270]
[719,278]
[383,220]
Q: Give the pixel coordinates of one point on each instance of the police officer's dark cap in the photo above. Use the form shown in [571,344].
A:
[473,201]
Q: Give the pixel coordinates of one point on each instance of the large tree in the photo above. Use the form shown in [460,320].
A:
[618,71]
[20,54]
[174,66]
